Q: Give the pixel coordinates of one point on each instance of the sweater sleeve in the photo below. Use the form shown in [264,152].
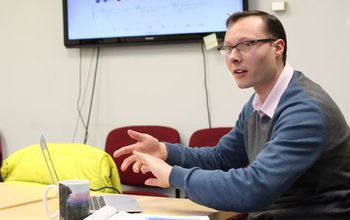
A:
[296,143]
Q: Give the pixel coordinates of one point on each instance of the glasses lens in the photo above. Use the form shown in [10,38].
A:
[223,51]
[244,46]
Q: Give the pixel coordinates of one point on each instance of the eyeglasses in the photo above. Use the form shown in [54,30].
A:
[243,46]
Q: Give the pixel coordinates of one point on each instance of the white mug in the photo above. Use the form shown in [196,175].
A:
[73,196]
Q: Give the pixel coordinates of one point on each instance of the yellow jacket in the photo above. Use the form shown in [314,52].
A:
[71,161]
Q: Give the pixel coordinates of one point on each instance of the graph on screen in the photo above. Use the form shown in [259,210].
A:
[111,18]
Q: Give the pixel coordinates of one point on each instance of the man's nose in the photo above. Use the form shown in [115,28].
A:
[235,56]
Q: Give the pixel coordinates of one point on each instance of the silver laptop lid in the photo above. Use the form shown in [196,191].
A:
[48,160]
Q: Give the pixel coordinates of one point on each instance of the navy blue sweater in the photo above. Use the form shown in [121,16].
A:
[293,166]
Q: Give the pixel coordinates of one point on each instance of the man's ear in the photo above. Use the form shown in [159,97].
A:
[279,47]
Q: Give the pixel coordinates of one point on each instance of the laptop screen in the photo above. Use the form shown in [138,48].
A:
[48,160]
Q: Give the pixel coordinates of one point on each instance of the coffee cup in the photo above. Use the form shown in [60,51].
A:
[73,196]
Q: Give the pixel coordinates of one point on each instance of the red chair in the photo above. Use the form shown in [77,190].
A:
[119,137]
[208,137]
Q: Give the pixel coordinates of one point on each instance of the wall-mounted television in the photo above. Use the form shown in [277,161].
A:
[96,23]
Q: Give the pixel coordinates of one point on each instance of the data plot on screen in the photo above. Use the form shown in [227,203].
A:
[111,18]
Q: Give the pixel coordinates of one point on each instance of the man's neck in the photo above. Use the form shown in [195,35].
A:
[264,90]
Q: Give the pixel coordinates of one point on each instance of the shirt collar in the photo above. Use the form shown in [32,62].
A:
[269,106]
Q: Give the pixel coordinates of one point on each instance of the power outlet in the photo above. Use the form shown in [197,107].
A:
[279,6]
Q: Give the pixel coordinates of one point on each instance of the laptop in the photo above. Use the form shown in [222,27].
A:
[124,203]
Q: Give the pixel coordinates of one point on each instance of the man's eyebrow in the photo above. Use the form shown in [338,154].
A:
[228,43]
[243,39]
[237,41]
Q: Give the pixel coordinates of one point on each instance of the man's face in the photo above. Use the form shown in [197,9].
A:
[260,65]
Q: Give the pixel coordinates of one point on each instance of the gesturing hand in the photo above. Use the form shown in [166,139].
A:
[158,167]
[145,144]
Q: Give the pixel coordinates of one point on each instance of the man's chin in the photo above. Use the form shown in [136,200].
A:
[243,85]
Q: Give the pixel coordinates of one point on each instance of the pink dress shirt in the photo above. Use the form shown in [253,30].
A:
[269,106]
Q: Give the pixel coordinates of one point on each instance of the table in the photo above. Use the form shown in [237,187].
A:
[25,202]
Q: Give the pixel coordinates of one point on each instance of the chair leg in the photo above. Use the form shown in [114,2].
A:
[177,193]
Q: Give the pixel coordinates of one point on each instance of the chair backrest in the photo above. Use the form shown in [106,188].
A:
[208,137]
[119,137]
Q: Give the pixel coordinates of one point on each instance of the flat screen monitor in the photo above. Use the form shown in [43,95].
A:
[121,22]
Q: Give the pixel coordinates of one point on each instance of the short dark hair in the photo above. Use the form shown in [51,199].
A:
[272,23]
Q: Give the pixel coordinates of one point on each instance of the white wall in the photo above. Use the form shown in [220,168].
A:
[162,84]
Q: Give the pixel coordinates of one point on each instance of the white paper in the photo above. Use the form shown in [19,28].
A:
[128,216]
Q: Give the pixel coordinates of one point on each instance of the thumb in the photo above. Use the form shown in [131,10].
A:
[152,182]
[135,135]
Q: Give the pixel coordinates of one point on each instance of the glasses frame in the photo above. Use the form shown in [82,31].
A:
[243,46]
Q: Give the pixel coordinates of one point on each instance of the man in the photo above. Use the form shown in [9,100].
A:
[288,156]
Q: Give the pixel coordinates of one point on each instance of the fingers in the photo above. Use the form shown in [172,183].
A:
[137,161]
[136,167]
[142,162]
[124,150]
[127,162]
[141,156]
[160,169]
[152,182]
[144,169]
[130,148]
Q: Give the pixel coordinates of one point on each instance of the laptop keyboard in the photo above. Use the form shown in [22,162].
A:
[96,202]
